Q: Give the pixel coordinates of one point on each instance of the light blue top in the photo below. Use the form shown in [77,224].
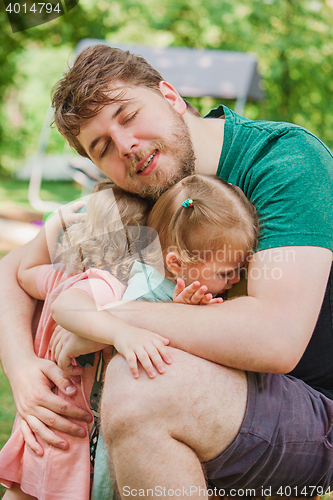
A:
[145,284]
[148,284]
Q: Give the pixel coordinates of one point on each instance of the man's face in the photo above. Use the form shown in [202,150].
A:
[140,142]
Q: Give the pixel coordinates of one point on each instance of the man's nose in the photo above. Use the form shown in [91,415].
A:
[125,142]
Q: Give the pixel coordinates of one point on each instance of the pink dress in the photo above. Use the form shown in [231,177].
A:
[58,475]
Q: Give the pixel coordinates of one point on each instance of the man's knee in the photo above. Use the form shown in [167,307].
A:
[189,385]
[124,404]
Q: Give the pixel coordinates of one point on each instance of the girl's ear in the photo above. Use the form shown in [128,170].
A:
[173,263]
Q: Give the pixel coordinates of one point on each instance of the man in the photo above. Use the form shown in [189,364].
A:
[225,408]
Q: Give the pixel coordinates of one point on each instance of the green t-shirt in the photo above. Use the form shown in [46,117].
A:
[286,172]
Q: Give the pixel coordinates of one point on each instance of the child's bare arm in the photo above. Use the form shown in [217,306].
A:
[76,311]
[193,294]
[66,346]
[43,246]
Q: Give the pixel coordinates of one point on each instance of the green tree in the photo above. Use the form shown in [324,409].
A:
[292,38]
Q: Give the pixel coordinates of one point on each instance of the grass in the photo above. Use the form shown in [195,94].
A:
[14,192]
[7,413]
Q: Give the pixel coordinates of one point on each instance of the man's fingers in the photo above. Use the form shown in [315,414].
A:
[30,439]
[49,419]
[58,377]
[39,429]
[59,408]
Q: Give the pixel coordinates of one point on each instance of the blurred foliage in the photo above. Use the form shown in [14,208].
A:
[292,38]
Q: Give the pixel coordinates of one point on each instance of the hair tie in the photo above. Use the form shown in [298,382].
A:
[188,203]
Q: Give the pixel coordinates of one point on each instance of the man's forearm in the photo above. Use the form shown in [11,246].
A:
[267,331]
[236,333]
[16,313]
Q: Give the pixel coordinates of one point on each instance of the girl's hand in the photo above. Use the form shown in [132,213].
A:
[194,294]
[144,346]
[69,213]
[66,346]
[66,215]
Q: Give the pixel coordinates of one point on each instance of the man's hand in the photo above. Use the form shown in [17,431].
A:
[40,409]
[194,294]
[66,346]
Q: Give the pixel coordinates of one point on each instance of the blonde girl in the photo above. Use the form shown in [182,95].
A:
[207,230]
[93,259]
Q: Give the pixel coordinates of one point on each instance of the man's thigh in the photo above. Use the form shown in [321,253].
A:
[196,402]
[285,445]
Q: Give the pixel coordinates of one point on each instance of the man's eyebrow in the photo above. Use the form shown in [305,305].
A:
[97,139]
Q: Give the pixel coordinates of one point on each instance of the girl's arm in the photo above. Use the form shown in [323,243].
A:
[30,377]
[76,312]
[42,248]
[66,346]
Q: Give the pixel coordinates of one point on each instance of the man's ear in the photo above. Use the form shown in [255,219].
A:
[173,263]
[173,97]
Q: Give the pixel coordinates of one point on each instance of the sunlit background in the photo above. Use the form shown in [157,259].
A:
[291,38]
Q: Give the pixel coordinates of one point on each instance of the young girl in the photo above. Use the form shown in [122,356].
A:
[207,231]
[96,250]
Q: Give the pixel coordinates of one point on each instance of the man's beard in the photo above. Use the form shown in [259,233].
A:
[179,147]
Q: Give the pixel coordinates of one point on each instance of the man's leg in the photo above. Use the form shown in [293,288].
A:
[159,431]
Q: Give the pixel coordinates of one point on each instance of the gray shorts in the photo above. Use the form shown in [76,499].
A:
[285,445]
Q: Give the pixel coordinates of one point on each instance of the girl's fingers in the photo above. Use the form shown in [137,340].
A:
[133,364]
[217,300]
[162,339]
[187,294]
[198,295]
[57,350]
[179,288]
[144,358]
[53,348]
[65,363]
[158,355]
[164,353]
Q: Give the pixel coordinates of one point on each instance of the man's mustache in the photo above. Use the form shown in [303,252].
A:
[137,157]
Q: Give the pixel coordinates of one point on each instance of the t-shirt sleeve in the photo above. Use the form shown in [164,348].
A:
[98,289]
[293,193]
[287,173]
[47,279]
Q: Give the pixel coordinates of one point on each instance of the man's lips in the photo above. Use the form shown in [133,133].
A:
[147,164]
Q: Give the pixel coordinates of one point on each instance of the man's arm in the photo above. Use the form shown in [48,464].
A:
[30,377]
[266,331]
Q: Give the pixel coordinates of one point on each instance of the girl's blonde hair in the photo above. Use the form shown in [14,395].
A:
[221,217]
[103,241]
